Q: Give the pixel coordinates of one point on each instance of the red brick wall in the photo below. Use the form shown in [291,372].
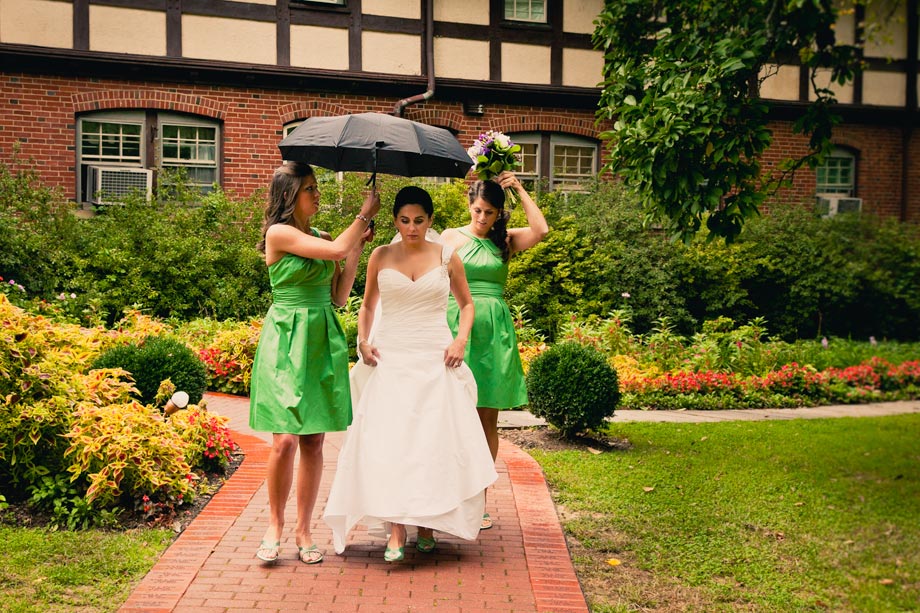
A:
[39,114]
[878,166]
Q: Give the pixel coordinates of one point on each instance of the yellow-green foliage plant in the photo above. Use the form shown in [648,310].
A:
[120,447]
[59,421]
[39,389]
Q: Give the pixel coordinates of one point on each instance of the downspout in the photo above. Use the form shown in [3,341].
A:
[429,60]
[908,130]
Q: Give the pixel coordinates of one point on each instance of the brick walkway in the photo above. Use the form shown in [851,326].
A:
[520,565]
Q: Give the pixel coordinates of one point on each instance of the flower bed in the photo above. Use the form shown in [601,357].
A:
[792,385]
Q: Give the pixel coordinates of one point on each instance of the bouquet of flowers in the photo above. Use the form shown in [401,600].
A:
[492,153]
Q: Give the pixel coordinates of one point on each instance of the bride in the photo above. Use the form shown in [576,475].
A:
[414,457]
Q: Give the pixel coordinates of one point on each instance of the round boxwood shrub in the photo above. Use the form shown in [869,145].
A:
[572,387]
[155,359]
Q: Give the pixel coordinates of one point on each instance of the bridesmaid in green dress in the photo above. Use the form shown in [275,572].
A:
[300,387]
[485,246]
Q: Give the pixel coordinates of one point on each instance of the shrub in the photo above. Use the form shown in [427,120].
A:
[228,357]
[208,445]
[573,387]
[154,360]
[126,450]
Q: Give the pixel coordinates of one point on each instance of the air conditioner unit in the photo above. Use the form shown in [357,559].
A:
[109,184]
[829,205]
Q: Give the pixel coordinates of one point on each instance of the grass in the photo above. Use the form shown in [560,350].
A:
[93,570]
[800,515]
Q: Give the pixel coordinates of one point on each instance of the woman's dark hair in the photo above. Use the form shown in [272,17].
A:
[413,195]
[492,193]
[282,195]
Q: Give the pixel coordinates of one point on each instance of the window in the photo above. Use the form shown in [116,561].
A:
[573,163]
[117,150]
[530,163]
[189,144]
[309,2]
[531,11]
[561,161]
[837,175]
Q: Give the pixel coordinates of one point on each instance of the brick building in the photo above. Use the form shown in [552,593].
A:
[109,92]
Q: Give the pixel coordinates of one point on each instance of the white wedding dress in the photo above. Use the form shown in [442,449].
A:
[415,453]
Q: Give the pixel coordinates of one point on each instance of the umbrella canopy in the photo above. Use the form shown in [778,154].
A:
[375,142]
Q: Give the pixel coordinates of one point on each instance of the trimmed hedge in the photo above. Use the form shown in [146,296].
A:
[573,387]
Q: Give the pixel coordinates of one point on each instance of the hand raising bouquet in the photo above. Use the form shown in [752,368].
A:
[493,153]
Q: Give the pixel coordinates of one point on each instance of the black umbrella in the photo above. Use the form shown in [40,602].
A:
[375,142]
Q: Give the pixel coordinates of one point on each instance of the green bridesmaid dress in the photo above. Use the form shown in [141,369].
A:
[300,372]
[491,351]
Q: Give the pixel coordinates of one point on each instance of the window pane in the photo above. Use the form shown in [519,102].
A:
[111,146]
[572,164]
[529,159]
[90,144]
[206,152]
[836,175]
[110,142]
[533,11]
[193,149]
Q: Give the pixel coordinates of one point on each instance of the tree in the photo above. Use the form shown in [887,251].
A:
[680,84]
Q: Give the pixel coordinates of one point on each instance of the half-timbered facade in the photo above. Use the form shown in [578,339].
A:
[108,93]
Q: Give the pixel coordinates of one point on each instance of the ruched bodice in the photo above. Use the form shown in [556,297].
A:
[301,282]
[413,313]
[485,271]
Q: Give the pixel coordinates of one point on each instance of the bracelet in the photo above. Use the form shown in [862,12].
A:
[362,340]
[363,218]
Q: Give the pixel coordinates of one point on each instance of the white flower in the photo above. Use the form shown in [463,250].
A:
[625,294]
[73,295]
[501,139]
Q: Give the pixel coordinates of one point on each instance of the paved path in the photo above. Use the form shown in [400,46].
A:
[520,565]
[523,419]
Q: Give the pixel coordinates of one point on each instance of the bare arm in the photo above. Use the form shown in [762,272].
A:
[281,239]
[537,228]
[453,355]
[369,352]
[344,278]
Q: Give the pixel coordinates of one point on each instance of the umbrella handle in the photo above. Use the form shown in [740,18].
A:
[373,179]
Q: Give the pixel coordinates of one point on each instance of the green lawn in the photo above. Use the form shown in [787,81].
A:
[805,515]
[93,570]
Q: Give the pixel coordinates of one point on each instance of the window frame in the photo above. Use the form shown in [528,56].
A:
[546,172]
[519,21]
[188,121]
[838,188]
[150,157]
[567,140]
